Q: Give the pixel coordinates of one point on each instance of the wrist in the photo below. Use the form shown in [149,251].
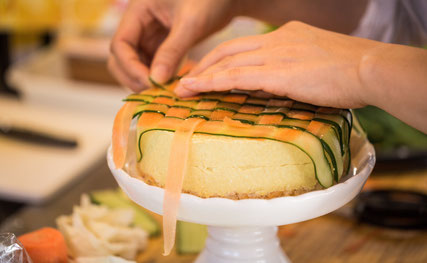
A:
[369,73]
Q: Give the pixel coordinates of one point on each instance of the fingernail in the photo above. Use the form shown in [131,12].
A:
[187,81]
[160,73]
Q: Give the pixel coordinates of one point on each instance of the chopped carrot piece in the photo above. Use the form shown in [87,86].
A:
[46,245]
[175,177]
[121,128]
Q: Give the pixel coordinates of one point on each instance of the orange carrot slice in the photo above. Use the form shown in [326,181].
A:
[46,245]
[235,123]
[287,134]
[270,119]
[235,98]
[178,112]
[302,115]
[206,105]
[175,177]
[316,127]
[164,100]
[219,115]
[251,109]
[121,128]
[149,120]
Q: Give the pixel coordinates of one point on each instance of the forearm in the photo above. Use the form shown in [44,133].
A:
[335,15]
[395,78]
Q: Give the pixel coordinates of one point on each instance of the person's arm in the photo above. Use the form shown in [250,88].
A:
[396,77]
[320,67]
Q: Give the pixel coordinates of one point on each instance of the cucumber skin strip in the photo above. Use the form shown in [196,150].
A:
[333,163]
[235,136]
[327,148]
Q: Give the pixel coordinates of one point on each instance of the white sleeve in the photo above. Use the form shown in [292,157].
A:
[395,21]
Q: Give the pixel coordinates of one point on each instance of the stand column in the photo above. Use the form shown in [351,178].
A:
[242,245]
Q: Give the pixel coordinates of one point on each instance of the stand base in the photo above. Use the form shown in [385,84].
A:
[242,245]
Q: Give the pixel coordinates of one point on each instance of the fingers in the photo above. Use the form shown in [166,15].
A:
[250,58]
[171,51]
[225,49]
[124,48]
[122,77]
[249,78]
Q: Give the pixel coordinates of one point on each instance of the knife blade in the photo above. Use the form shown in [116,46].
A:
[37,137]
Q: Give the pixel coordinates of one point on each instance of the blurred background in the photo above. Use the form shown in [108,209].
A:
[58,102]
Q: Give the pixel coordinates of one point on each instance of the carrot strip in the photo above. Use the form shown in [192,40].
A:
[175,177]
[315,127]
[287,134]
[178,112]
[251,109]
[219,115]
[235,98]
[206,105]
[302,115]
[121,128]
[46,245]
[164,100]
[270,119]
[149,120]
[234,123]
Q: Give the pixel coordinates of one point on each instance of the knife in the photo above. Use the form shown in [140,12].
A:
[36,137]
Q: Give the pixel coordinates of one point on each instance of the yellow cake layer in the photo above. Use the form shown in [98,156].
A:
[236,168]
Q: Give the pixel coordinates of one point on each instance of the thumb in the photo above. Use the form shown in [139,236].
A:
[169,54]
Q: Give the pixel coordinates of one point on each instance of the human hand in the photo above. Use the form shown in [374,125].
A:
[299,61]
[156,34]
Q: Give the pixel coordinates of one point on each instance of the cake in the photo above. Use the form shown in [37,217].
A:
[231,145]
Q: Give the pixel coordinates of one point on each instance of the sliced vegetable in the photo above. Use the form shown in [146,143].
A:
[190,237]
[175,177]
[116,199]
[46,245]
[121,128]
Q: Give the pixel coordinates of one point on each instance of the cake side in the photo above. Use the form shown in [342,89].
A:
[235,168]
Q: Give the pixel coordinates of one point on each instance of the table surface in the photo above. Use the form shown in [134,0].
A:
[330,238]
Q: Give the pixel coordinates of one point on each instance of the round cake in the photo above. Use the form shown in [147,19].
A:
[229,145]
[241,147]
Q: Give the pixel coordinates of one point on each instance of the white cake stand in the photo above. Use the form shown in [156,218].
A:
[244,231]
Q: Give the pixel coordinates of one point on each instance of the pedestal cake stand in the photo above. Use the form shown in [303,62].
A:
[245,231]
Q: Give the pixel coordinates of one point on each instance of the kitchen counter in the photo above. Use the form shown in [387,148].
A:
[32,217]
[330,238]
